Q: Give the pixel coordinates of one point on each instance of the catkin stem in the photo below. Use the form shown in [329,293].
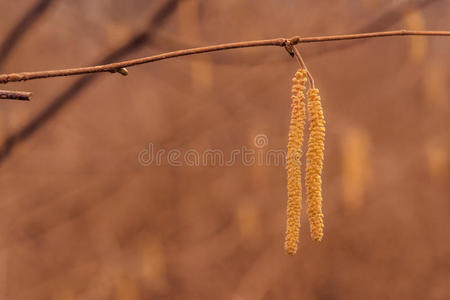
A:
[303,65]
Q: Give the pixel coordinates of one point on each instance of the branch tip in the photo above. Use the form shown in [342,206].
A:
[15,95]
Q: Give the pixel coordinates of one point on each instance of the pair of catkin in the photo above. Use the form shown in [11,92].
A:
[314,162]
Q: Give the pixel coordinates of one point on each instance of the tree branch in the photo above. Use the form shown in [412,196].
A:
[281,42]
[15,95]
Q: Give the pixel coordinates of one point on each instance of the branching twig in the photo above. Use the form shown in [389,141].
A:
[114,67]
[15,95]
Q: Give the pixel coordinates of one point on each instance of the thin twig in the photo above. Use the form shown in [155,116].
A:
[303,65]
[114,67]
[386,20]
[15,95]
[328,38]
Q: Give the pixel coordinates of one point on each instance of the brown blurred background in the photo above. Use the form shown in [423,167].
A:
[81,218]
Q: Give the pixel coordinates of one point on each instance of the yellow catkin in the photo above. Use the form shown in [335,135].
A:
[298,116]
[314,164]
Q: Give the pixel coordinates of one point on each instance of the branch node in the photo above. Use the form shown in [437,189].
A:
[295,40]
[5,78]
[289,48]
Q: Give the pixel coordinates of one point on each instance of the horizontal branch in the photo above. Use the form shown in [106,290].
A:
[15,95]
[281,42]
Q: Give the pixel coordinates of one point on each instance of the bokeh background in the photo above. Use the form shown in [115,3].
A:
[81,218]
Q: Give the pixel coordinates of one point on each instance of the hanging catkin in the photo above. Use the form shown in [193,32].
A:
[314,164]
[298,116]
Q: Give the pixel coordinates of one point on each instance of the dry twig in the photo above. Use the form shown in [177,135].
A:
[15,95]
[281,42]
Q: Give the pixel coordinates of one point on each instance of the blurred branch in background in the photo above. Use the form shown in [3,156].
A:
[394,14]
[105,190]
[15,95]
[388,18]
[137,40]
[391,17]
[22,27]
